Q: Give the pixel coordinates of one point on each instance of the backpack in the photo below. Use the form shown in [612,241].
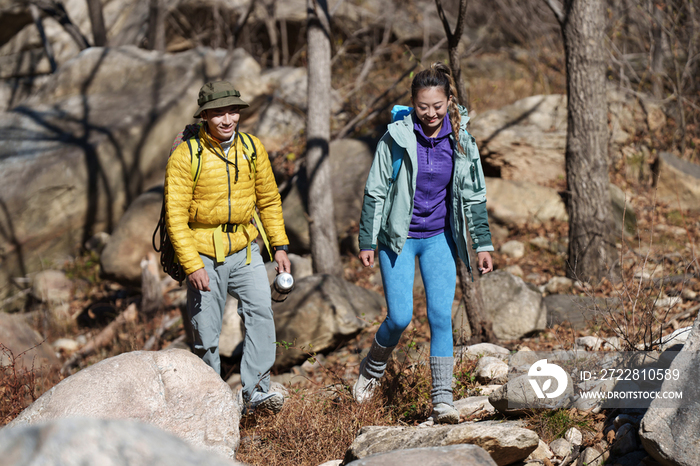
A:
[168,258]
[397,113]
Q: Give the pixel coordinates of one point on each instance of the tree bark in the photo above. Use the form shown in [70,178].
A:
[481,326]
[324,239]
[156,26]
[97,21]
[591,250]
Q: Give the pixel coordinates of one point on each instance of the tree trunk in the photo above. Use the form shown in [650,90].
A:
[481,326]
[156,26]
[591,251]
[97,21]
[324,239]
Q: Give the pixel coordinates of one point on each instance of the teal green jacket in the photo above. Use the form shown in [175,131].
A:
[388,205]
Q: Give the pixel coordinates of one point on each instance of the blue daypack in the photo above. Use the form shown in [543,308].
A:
[397,113]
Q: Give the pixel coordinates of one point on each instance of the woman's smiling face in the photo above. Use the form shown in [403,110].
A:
[431,107]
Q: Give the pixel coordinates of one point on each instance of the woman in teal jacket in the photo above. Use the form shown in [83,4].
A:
[424,191]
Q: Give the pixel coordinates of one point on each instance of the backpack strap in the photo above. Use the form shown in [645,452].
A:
[196,169]
[252,155]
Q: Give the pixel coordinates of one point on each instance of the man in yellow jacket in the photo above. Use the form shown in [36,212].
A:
[213,237]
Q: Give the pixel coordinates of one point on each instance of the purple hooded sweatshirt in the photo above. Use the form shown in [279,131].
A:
[432,183]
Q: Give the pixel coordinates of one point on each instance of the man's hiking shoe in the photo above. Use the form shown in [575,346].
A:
[445,414]
[364,388]
[271,402]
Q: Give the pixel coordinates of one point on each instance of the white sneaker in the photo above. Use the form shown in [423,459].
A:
[271,401]
[445,414]
[364,388]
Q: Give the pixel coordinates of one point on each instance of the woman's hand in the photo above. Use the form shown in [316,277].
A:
[367,258]
[484,262]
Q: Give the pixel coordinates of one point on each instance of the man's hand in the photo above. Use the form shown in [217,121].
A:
[484,262]
[199,279]
[283,264]
[367,258]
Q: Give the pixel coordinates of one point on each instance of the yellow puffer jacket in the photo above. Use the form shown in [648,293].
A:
[218,199]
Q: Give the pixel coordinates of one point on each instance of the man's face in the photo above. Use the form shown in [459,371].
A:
[222,121]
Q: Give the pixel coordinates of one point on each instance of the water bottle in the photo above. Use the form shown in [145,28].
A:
[281,287]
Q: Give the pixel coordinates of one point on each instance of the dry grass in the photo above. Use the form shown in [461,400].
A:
[20,386]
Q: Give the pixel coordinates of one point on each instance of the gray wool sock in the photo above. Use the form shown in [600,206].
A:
[374,365]
[442,370]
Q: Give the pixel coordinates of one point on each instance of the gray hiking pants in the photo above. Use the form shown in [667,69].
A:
[249,285]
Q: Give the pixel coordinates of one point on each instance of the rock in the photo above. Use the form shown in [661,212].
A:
[625,440]
[559,285]
[590,457]
[490,369]
[513,307]
[81,149]
[350,162]
[19,337]
[322,312]
[634,458]
[591,343]
[436,456]
[541,453]
[668,302]
[517,396]
[670,428]
[461,330]
[524,140]
[506,442]
[515,270]
[516,203]
[283,115]
[678,182]
[171,389]
[131,241]
[65,344]
[561,447]
[578,311]
[474,405]
[481,349]
[524,357]
[574,436]
[127,442]
[527,139]
[52,287]
[332,463]
[513,249]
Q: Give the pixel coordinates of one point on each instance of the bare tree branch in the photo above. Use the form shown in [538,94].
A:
[556,9]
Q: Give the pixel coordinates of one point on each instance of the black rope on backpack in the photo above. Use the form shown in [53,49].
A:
[168,259]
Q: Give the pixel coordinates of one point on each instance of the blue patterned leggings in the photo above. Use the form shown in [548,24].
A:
[436,257]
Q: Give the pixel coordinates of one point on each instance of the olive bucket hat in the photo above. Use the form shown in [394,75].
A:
[216,95]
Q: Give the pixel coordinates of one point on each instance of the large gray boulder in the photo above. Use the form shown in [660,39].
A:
[436,456]
[29,349]
[678,182]
[506,442]
[79,151]
[172,389]
[670,429]
[350,162]
[527,139]
[514,308]
[104,442]
[515,203]
[131,241]
[322,312]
